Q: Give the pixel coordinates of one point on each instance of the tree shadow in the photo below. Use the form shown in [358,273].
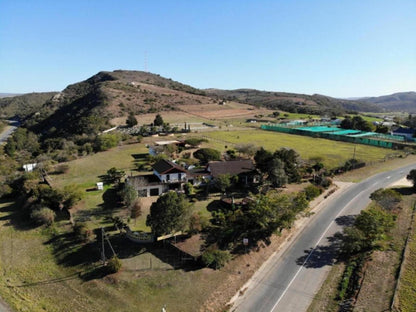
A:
[164,251]
[18,215]
[405,190]
[321,255]
[69,251]
[141,156]
[110,199]
[217,205]
[345,220]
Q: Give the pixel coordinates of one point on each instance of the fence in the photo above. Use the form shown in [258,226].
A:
[339,134]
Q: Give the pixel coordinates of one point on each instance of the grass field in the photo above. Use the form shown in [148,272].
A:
[40,274]
[36,277]
[381,271]
[407,287]
[334,153]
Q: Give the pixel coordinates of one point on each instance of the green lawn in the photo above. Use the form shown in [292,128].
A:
[334,153]
[39,273]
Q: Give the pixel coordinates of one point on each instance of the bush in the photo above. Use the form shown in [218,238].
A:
[82,232]
[215,259]
[114,265]
[43,216]
[106,141]
[206,155]
[194,142]
[312,191]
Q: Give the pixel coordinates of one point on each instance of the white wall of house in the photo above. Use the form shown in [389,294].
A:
[161,189]
[171,177]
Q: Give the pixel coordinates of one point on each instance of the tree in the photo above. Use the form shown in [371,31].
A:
[128,195]
[43,215]
[136,210]
[131,120]
[247,149]
[115,175]
[291,163]
[412,177]
[262,159]
[195,142]
[170,213]
[277,175]
[206,155]
[158,121]
[223,182]
[106,141]
[215,258]
[368,229]
[71,195]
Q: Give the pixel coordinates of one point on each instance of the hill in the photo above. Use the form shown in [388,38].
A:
[89,106]
[402,101]
[294,103]
[21,106]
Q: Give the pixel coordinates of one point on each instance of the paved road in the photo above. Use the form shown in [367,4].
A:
[8,131]
[289,280]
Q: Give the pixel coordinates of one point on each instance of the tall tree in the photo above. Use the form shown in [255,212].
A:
[170,213]
[129,195]
[136,210]
[223,182]
[131,120]
[277,175]
[158,121]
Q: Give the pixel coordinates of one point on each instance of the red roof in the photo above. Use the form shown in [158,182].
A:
[233,167]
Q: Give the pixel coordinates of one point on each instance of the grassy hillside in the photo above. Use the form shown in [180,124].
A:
[88,106]
[295,103]
[24,105]
[403,101]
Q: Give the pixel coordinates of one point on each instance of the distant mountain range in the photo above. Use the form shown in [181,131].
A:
[88,106]
[402,101]
[3,95]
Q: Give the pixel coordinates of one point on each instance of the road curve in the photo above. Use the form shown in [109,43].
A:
[8,131]
[290,279]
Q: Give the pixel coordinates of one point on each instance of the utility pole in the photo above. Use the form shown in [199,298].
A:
[103,259]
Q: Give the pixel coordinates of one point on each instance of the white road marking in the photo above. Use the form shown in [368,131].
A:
[310,254]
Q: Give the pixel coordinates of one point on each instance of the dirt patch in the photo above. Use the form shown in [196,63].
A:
[379,281]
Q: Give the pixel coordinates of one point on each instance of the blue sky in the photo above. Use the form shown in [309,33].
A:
[334,47]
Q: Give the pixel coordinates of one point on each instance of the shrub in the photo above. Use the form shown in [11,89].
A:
[43,216]
[312,191]
[82,232]
[207,154]
[215,259]
[194,142]
[114,265]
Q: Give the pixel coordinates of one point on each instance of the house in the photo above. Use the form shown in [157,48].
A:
[407,133]
[169,172]
[243,168]
[29,167]
[166,176]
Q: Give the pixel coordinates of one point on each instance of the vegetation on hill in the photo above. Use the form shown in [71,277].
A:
[24,105]
[402,101]
[293,103]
